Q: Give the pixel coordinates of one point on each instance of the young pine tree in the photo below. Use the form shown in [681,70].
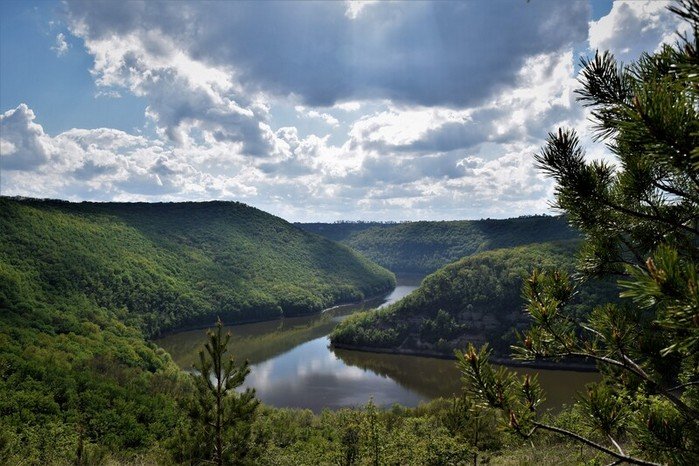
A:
[374,433]
[221,417]
[640,218]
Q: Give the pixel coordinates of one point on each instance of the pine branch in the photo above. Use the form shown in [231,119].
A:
[646,216]
[684,385]
[675,191]
[635,369]
[596,446]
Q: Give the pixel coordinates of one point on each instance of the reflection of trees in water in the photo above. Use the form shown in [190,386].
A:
[260,348]
[261,341]
[255,342]
[433,378]
[429,377]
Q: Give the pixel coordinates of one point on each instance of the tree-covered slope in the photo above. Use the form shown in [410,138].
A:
[81,285]
[423,247]
[476,299]
[169,265]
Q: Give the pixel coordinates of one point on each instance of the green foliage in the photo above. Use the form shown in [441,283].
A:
[639,219]
[442,326]
[373,434]
[397,435]
[475,299]
[83,285]
[604,409]
[173,265]
[423,247]
[221,418]
[668,284]
[499,388]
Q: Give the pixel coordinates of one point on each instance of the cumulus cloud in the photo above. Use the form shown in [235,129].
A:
[23,143]
[418,87]
[632,27]
[182,93]
[313,177]
[105,161]
[325,110]
[348,106]
[540,98]
[435,162]
[415,52]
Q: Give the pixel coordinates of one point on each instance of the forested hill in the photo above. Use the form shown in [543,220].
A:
[82,284]
[168,265]
[423,247]
[477,299]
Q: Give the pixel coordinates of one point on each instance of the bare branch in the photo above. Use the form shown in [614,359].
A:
[646,216]
[683,385]
[614,442]
[596,446]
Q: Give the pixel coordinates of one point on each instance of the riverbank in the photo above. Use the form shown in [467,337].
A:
[210,324]
[293,365]
[576,366]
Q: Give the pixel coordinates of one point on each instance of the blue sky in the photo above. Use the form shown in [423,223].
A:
[60,88]
[309,110]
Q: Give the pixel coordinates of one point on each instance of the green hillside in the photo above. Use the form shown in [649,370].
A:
[81,285]
[172,265]
[423,247]
[477,299]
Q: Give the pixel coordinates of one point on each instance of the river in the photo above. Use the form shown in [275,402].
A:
[293,365]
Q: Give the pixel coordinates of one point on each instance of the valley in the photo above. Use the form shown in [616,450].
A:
[349,233]
[293,364]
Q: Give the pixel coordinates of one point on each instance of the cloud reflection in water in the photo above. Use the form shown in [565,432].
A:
[311,376]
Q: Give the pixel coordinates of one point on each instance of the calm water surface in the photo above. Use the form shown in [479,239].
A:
[292,364]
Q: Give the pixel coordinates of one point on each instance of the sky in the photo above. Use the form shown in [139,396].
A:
[312,111]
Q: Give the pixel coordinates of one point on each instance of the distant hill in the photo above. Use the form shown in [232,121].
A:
[476,299]
[423,247]
[169,265]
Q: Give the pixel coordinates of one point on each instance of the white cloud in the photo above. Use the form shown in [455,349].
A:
[632,27]
[424,53]
[355,7]
[61,46]
[348,106]
[108,93]
[418,89]
[435,162]
[24,144]
[398,127]
[326,117]
[183,94]
[7,148]
[99,163]
[541,98]
[401,111]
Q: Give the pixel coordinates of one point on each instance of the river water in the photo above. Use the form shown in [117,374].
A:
[293,365]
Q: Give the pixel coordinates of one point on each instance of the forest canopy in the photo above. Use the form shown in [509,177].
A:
[475,299]
[420,248]
[174,265]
